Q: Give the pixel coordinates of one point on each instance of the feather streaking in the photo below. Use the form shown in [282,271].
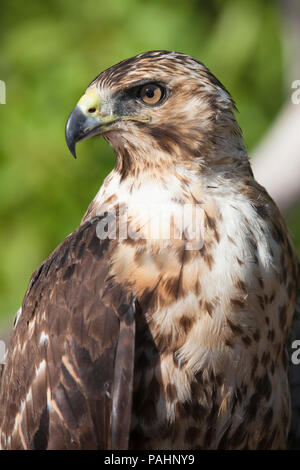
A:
[139,342]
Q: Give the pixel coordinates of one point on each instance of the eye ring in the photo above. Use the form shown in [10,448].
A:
[151,94]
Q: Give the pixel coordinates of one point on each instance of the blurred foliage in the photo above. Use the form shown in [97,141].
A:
[50,51]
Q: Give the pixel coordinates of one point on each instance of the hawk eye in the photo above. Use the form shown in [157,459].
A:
[151,94]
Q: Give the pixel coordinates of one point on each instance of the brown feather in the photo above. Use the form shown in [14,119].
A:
[70,401]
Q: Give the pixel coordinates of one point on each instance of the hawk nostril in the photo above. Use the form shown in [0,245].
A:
[92,110]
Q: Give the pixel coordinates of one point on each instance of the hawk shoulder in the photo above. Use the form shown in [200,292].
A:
[67,382]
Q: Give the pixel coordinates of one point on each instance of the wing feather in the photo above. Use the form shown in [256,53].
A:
[123,381]
[67,382]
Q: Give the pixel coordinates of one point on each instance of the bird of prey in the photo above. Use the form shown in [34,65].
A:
[129,339]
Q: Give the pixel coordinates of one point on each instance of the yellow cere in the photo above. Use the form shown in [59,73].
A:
[89,103]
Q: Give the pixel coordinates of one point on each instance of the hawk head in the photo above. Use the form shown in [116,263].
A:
[158,109]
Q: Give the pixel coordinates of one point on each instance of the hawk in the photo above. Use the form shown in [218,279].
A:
[129,339]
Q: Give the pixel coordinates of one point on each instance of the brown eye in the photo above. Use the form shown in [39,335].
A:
[151,94]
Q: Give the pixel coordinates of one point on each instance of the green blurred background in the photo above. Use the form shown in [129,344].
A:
[50,51]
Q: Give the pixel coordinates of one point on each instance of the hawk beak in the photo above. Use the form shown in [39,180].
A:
[85,120]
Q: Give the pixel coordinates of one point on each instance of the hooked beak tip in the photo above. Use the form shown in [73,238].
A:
[71,132]
[79,127]
[71,143]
